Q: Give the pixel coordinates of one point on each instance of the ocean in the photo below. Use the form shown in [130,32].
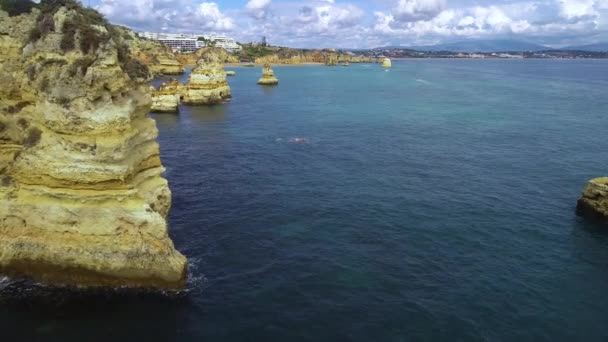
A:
[434,201]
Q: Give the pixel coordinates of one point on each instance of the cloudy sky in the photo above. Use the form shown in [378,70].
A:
[369,23]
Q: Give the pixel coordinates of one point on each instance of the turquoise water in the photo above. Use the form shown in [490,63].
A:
[434,201]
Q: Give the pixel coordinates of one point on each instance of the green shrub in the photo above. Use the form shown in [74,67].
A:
[69,32]
[33,137]
[22,123]
[18,107]
[136,69]
[6,181]
[83,64]
[16,7]
[31,72]
[44,85]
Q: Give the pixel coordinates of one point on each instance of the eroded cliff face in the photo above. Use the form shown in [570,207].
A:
[594,201]
[167,97]
[217,54]
[295,56]
[159,58]
[83,199]
[207,83]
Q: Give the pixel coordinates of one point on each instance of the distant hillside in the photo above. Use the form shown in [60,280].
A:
[600,47]
[483,46]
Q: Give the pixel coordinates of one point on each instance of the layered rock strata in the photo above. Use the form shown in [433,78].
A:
[167,97]
[268,77]
[159,57]
[207,84]
[220,55]
[83,199]
[594,201]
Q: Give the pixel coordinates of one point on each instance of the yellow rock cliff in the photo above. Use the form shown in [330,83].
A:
[83,198]
[207,83]
[268,77]
[594,201]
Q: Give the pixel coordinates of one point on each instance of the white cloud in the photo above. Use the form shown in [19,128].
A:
[577,8]
[344,23]
[258,9]
[176,15]
[415,10]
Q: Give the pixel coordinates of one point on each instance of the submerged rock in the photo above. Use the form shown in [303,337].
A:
[268,77]
[167,97]
[594,201]
[83,199]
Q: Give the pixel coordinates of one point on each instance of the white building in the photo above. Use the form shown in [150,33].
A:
[192,42]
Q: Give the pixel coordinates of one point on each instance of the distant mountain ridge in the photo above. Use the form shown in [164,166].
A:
[498,45]
[599,47]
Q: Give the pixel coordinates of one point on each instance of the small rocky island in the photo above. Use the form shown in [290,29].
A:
[83,199]
[167,97]
[207,83]
[268,77]
[594,201]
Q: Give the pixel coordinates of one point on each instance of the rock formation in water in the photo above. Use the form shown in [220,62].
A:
[386,63]
[230,73]
[594,202]
[159,57]
[207,83]
[83,199]
[268,77]
[167,97]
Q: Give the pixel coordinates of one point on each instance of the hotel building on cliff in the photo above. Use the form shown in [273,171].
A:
[191,42]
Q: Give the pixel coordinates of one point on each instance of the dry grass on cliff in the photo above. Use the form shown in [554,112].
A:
[16,7]
[81,31]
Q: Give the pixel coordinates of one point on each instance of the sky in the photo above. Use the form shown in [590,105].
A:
[368,23]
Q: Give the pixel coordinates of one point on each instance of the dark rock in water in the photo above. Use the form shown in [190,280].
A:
[594,203]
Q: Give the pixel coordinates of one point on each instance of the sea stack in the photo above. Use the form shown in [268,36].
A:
[268,77]
[207,84]
[594,201]
[167,98]
[83,200]
[386,63]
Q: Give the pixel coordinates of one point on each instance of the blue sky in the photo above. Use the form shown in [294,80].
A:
[369,23]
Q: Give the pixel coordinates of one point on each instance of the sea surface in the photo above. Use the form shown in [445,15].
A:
[431,202]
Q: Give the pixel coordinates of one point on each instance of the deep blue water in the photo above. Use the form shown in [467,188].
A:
[434,201]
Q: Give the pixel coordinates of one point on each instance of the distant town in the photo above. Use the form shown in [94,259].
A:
[187,43]
[184,43]
[544,54]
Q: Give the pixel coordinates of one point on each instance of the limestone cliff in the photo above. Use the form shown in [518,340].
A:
[594,201]
[159,57]
[207,83]
[298,56]
[167,98]
[83,199]
[216,54]
[268,77]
